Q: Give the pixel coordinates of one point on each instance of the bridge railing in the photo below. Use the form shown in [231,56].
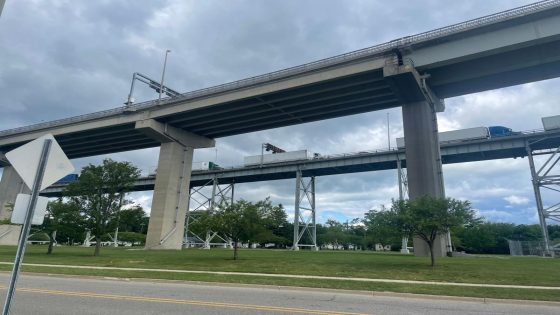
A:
[355,55]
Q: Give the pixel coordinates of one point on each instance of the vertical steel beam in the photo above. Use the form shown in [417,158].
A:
[399,177]
[314,219]
[538,199]
[296,210]
[402,184]
[213,197]
[305,214]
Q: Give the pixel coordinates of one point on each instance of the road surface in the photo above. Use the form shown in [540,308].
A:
[71,295]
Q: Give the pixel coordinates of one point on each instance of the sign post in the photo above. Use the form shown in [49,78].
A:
[27,224]
[39,163]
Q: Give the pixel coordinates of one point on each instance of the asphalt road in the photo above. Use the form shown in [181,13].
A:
[70,295]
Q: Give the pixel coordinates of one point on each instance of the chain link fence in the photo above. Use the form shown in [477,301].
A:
[532,248]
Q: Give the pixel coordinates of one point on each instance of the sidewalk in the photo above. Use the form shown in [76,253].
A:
[479,285]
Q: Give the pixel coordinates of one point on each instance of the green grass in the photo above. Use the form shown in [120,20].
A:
[472,269]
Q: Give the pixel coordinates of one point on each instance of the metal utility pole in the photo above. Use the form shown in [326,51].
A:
[163,75]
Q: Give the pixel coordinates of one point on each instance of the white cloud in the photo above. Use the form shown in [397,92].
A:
[517,200]
[496,215]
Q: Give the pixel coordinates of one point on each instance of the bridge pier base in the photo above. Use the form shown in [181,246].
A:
[423,163]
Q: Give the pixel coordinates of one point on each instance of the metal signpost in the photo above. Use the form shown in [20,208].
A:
[51,166]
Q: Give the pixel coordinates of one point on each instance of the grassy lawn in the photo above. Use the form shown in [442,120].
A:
[472,269]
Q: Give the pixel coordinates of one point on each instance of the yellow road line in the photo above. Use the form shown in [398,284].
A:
[184,302]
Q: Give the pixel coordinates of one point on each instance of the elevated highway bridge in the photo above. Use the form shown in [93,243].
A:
[415,72]
[502,147]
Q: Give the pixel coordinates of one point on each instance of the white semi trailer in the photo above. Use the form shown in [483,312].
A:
[551,122]
[204,166]
[276,158]
[457,135]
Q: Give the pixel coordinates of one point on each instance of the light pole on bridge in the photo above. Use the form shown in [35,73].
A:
[163,75]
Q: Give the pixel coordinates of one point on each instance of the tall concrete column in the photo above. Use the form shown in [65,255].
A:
[166,229]
[10,185]
[423,162]
[171,195]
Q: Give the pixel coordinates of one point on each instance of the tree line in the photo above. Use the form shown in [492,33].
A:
[95,203]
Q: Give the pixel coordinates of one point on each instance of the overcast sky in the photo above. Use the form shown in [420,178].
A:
[64,58]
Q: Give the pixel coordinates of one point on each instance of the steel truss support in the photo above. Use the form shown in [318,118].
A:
[546,177]
[204,202]
[403,194]
[304,216]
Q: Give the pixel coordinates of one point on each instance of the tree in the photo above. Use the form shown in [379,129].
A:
[335,234]
[99,192]
[242,220]
[484,238]
[427,217]
[132,220]
[61,217]
[379,227]
[275,221]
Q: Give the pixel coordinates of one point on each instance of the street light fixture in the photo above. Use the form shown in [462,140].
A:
[163,75]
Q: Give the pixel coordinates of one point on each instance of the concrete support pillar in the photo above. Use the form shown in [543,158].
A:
[10,185]
[166,229]
[423,162]
[170,200]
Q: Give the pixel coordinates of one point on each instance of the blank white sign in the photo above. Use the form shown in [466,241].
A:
[20,209]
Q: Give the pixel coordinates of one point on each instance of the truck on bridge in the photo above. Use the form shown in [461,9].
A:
[467,134]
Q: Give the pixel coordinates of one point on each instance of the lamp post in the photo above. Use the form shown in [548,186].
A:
[163,75]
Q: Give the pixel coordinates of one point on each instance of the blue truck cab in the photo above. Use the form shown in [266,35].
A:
[499,131]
